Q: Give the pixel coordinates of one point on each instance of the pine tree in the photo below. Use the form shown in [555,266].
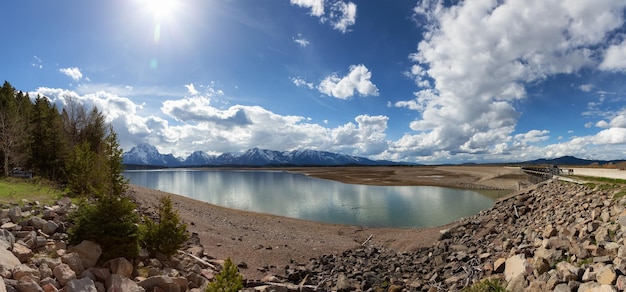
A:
[168,234]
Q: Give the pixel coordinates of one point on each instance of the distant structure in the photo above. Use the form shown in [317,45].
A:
[18,172]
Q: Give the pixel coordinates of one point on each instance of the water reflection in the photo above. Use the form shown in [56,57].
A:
[303,197]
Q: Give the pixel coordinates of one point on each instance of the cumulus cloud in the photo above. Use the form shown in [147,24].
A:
[297,81]
[476,58]
[316,6]
[342,14]
[615,58]
[358,79]
[72,72]
[300,40]
[192,89]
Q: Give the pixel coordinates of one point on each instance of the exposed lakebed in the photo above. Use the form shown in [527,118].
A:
[303,197]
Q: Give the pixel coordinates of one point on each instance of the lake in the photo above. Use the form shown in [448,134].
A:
[303,197]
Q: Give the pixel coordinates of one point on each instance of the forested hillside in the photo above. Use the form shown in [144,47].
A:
[74,146]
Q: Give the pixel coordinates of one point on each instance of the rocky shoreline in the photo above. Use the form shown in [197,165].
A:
[555,236]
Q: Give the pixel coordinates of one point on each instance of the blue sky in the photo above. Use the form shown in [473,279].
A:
[416,81]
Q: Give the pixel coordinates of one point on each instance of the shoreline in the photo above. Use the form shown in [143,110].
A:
[267,243]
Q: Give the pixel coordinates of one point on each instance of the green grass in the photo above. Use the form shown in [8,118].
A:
[486,285]
[600,179]
[14,190]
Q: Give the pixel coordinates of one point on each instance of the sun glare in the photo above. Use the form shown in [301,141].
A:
[161,8]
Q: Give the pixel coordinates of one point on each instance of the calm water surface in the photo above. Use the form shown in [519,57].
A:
[304,197]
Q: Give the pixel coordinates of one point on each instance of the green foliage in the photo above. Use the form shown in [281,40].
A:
[487,285]
[15,189]
[228,280]
[168,234]
[110,221]
[619,195]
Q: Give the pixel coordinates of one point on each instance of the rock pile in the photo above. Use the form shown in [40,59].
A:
[555,237]
[35,256]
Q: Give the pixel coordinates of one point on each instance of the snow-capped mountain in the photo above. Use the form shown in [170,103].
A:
[146,154]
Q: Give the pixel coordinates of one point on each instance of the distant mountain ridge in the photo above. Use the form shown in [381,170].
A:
[148,155]
[570,160]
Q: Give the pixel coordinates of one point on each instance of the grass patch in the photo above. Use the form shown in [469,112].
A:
[14,190]
[600,179]
[487,285]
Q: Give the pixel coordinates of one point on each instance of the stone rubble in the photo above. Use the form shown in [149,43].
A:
[555,236]
[35,256]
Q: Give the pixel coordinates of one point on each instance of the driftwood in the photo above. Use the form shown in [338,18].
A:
[199,260]
[367,240]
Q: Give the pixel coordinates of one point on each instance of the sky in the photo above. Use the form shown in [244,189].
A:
[429,82]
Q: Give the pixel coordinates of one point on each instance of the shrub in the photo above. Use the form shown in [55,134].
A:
[168,234]
[228,280]
[110,221]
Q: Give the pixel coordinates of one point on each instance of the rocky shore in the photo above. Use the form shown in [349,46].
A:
[554,236]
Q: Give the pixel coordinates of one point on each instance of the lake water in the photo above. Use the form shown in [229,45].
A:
[303,197]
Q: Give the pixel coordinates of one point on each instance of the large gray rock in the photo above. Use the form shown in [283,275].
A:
[121,266]
[73,260]
[50,227]
[15,214]
[7,239]
[118,283]
[23,270]
[88,251]
[81,285]
[163,282]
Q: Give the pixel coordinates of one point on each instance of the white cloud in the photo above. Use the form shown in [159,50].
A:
[301,82]
[481,54]
[615,58]
[342,14]
[300,40]
[316,6]
[586,87]
[72,72]
[191,89]
[358,79]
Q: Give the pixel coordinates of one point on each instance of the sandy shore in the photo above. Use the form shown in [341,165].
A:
[267,243]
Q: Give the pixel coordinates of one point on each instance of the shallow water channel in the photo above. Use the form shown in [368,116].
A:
[303,197]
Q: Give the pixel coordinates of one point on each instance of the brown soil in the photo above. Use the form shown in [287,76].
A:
[272,242]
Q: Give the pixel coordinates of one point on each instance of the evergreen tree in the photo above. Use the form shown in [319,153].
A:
[48,148]
[14,112]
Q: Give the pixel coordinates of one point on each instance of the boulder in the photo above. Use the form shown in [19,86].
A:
[64,274]
[7,239]
[23,270]
[118,283]
[88,251]
[163,282]
[81,285]
[22,252]
[49,227]
[73,260]
[606,276]
[514,266]
[121,266]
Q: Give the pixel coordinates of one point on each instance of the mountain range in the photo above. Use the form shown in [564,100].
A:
[148,155]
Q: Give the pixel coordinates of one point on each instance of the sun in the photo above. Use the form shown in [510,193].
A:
[160,9]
